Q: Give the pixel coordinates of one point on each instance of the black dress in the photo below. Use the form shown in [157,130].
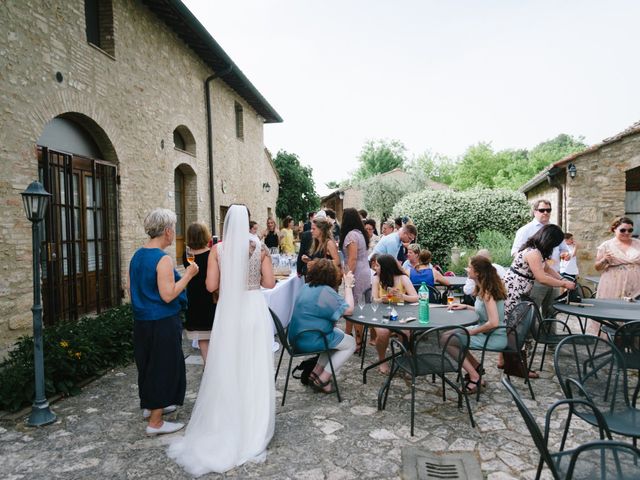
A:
[271,240]
[201,309]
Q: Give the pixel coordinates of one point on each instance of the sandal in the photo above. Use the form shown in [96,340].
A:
[467,378]
[471,391]
[313,378]
[533,374]
[319,386]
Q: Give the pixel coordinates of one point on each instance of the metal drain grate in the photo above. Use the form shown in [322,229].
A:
[420,465]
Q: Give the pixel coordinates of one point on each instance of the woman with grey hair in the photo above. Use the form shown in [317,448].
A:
[157,297]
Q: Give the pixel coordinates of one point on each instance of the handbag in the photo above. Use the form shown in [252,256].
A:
[305,367]
[512,365]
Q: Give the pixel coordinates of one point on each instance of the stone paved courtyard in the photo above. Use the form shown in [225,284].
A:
[100,433]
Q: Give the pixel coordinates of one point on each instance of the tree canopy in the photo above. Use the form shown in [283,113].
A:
[380,156]
[297,195]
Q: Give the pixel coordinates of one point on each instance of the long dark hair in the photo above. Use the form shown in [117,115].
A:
[351,220]
[389,269]
[547,238]
[488,282]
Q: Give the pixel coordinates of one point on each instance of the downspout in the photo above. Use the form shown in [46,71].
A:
[207,94]
[553,178]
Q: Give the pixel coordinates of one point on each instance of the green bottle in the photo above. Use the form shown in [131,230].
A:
[423,304]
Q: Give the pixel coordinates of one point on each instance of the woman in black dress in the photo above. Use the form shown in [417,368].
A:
[201,309]
[270,237]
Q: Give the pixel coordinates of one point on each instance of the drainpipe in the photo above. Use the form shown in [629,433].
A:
[553,177]
[207,94]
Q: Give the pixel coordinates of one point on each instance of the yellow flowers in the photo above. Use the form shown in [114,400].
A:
[64,344]
[78,355]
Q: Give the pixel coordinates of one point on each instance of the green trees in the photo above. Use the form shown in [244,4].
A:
[297,195]
[380,156]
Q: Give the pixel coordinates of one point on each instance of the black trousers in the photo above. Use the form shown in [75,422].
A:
[157,348]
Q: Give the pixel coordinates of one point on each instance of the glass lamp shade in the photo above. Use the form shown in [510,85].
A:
[35,199]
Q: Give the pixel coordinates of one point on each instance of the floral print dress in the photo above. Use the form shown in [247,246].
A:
[518,281]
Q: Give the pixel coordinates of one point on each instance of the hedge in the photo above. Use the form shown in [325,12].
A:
[73,352]
[445,218]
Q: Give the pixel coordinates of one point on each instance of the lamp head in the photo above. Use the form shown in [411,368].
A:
[572,170]
[35,199]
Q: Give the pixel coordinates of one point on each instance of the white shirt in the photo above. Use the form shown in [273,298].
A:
[470,285]
[570,267]
[529,230]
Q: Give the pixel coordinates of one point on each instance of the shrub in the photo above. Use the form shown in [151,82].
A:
[445,218]
[73,351]
[497,243]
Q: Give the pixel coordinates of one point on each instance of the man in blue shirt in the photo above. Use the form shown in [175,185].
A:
[390,244]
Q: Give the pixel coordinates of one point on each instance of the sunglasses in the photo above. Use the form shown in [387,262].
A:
[544,210]
[626,230]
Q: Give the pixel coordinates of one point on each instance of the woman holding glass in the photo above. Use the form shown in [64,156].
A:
[619,261]
[201,309]
[390,284]
[323,245]
[354,246]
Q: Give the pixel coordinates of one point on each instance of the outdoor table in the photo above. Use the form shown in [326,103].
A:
[439,316]
[456,282]
[607,312]
[595,279]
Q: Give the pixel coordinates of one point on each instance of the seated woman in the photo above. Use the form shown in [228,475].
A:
[423,272]
[318,306]
[413,257]
[391,279]
[490,294]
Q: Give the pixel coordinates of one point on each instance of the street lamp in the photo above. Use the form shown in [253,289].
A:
[35,199]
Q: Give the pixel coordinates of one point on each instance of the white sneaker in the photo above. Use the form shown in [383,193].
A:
[166,427]
[146,413]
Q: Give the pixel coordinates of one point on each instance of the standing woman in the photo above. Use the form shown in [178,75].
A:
[286,236]
[201,309]
[234,416]
[392,279]
[271,236]
[370,227]
[619,261]
[354,243]
[323,245]
[530,264]
[157,296]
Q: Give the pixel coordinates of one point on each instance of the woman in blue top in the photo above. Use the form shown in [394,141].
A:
[318,306]
[423,272]
[490,295]
[157,297]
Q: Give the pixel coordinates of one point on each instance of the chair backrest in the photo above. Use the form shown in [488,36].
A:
[598,368]
[532,426]
[448,343]
[610,458]
[282,333]
[627,339]
[519,322]
[434,294]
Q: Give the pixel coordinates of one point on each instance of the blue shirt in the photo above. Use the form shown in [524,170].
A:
[425,275]
[318,308]
[145,296]
[388,245]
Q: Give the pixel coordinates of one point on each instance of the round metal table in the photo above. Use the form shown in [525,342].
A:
[608,312]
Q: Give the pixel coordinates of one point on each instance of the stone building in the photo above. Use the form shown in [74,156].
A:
[118,106]
[589,189]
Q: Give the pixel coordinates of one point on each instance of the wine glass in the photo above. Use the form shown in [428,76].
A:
[361,303]
[190,256]
[450,300]
[389,297]
[374,307]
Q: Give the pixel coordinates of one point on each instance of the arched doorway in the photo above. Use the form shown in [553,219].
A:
[186,205]
[81,269]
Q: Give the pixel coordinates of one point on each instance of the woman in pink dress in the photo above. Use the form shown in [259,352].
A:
[619,261]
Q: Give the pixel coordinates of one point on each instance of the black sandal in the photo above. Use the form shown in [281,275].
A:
[472,391]
[318,386]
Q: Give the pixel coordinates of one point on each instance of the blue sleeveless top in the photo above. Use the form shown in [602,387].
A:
[425,275]
[145,296]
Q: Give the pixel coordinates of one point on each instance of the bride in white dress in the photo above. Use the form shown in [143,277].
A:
[234,416]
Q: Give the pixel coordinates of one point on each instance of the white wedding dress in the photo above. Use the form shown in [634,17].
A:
[234,416]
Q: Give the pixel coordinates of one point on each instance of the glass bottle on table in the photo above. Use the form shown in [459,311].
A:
[423,304]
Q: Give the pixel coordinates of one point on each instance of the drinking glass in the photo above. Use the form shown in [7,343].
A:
[361,303]
[389,297]
[190,256]
[374,307]
[450,300]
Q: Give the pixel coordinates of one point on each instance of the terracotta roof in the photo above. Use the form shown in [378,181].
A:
[187,27]
[541,177]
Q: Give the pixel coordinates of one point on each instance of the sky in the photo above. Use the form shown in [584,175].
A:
[439,76]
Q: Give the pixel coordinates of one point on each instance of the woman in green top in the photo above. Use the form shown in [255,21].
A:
[490,295]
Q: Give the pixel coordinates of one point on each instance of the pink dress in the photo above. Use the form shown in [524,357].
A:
[621,278]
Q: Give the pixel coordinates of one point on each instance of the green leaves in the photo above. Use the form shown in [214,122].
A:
[445,218]
[297,195]
[380,156]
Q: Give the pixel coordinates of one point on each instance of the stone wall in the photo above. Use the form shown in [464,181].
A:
[131,102]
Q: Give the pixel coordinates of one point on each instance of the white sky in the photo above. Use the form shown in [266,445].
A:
[436,75]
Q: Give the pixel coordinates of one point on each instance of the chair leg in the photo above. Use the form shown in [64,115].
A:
[566,429]
[544,352]
[413,400]
[286,382]
[466,399]
[333,374]
[363,345]
[533,354]
[279,362]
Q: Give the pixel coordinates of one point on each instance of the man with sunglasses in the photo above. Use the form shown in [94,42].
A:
[543,295]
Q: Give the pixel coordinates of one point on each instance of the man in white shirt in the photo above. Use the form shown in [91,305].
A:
[543,295]
[390,244]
